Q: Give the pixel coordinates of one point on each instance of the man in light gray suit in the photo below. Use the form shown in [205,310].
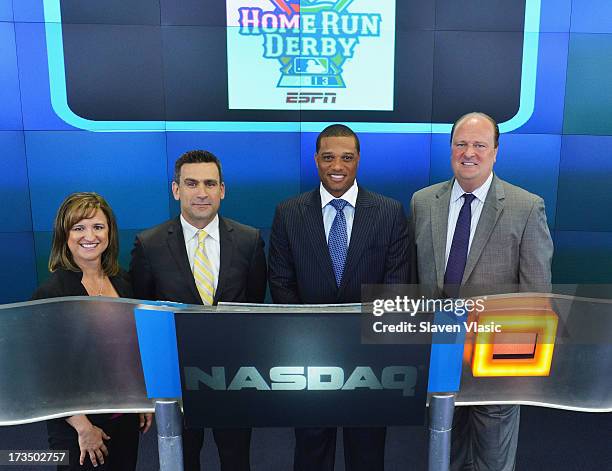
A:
[478,231]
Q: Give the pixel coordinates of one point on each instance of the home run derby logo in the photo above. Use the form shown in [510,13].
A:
[311,39]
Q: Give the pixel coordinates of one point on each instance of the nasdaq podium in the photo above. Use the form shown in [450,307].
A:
[258,365]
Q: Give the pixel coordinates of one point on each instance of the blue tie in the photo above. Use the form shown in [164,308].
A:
[459,248]
[338,239]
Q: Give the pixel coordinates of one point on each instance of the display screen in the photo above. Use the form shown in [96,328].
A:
[292,61]
[318,54]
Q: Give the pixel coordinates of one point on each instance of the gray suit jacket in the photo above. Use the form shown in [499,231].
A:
[511,245]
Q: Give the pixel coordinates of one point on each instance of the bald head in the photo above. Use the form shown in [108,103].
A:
[478,114]
[473,150]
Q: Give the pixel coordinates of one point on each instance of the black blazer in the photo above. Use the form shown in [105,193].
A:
[301,270]
[160,267]
[68,283]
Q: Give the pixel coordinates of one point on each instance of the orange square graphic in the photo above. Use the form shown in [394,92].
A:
[524,347]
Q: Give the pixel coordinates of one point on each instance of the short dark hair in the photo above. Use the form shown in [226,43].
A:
[75,207]
[337,130]
[196,157]
[482,115]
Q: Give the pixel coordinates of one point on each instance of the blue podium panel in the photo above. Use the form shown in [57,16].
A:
[10,111]
[15,212]
[157,343]
[585,173]
[260,170]
[18,275]
[129,170]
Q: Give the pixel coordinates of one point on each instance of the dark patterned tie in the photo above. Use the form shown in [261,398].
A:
[459,248]
[338,239]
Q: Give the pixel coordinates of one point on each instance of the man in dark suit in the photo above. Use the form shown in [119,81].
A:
[324,245]
[202,258]
[481,234]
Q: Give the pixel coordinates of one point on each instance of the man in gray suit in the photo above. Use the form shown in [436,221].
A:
[478,231]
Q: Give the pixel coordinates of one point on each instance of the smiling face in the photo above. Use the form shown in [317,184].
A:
[473,152]
[337,161]
[200,193]
[88,239]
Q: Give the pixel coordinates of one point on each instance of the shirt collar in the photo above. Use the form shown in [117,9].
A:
[212,229]
[480,193]
[350,196]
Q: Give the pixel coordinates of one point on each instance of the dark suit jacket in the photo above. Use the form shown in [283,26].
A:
[160,267]
[301,270]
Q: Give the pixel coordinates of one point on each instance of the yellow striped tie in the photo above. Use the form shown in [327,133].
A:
[203,272]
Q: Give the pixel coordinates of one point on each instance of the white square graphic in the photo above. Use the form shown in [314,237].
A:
[311,55]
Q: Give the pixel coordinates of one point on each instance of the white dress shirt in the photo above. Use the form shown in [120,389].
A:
[455,204]
[329,212]
[212,243]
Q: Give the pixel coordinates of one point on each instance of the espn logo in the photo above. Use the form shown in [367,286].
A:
[311,97]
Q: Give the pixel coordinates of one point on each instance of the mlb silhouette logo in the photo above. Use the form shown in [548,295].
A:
[311,65]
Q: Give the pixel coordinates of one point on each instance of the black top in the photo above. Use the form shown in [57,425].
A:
[68,283]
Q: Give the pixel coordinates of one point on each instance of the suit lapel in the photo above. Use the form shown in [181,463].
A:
[313,224]
[365,214]
[227,250]
[492,209]
[176,245]
[439,228]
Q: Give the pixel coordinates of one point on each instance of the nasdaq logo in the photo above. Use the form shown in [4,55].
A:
[299,378]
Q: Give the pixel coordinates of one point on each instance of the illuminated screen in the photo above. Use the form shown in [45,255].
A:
[290,61]
[315,53]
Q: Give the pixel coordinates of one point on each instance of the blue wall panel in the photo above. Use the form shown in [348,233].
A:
[585,184]
[573,173]
[29,11]
[588,99]
[547,115]
[582,257]
[10,109]
[34,79]
[6,10]
[555,16]
[129,170]
[17,276]
[14,186]
[591,16]
[531,161]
